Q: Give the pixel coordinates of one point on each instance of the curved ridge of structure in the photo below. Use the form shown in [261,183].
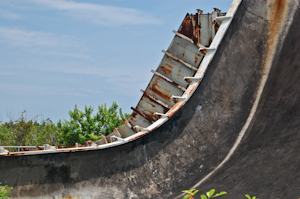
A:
[236,131]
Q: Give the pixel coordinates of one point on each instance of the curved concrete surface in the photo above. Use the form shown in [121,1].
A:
[239,132]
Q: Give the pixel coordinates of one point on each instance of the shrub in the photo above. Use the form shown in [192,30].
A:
[4,191]
[83,126]
[25,132]
[191,193]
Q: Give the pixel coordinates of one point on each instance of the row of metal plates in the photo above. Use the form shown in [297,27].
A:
[181,59]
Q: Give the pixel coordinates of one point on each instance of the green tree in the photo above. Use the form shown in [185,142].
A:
[84,126]
[23,131]
[44,132]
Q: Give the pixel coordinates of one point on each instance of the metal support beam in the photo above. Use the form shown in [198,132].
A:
[104,139]
[143,115]
[155,99]
[114,138]
[139,128]
[183,36]
[168,80]
[179,60]
[116,131]
[222,18]
[191,79]
[129,124]
[206,49]
[201,46]
[161,114]
[178,98]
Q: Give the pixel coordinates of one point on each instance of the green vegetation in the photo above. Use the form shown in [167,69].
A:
[249,197]
[191,193]
[211,193]
[23,131]
[4,191]
[81,126]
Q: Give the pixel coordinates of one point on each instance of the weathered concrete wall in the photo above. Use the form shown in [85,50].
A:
[258,55]
[267,161]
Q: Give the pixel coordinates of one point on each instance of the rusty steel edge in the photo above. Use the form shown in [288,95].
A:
[199,73]
[210,52]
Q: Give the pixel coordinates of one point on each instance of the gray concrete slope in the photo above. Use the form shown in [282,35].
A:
[239,132]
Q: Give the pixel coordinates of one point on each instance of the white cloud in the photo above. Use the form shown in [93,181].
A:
[79,68]
[6,73]
[121,80]
[100,14]
[36,90]
[41,42]
[9,15]
[22,38]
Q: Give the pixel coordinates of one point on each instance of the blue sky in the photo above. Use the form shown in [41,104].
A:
[58,53]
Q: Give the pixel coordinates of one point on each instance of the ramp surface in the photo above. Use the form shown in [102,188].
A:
[239,132]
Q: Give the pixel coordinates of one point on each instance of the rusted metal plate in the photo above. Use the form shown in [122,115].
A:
[200,27]
[185,51]
[149,107]
[150,119]
[115,133]
[206,29]
[163,90]
[136,119]
[182,59]
[125,131]
[187,27]
[161,75]
[156,100]
[175,71]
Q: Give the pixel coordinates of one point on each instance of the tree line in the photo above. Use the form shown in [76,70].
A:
[80,127]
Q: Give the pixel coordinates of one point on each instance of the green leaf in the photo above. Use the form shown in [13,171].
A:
[7,187]
[185,191]
[203,197]
[185,197]
[195,192]
[210,193]
[220,194]
[254,197]
[247,196]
